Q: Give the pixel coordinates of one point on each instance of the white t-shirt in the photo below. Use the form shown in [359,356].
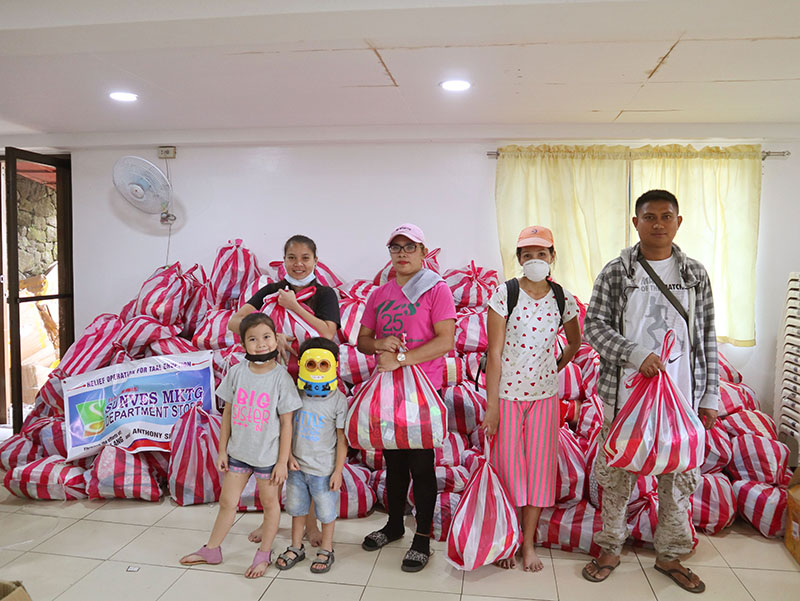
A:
[529,370]
[648,316]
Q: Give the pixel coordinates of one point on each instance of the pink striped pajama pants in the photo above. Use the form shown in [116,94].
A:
[525,450]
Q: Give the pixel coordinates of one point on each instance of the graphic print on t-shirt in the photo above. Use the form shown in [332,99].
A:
[390,316]
[309,425]
[250,409]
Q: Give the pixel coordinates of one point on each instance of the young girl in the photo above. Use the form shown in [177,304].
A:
[522,385]
[256,437]
[299,260]
[420,305]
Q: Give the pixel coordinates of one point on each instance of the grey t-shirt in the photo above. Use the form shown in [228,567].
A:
[314,439]
[256,402]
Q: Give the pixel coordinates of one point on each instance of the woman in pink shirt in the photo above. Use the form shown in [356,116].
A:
[409,321]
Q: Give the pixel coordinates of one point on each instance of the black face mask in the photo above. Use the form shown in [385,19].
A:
[263,358]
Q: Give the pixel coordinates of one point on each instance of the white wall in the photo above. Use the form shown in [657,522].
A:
[348,197]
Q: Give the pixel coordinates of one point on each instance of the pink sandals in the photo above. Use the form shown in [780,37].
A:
[260,557]
[209,556]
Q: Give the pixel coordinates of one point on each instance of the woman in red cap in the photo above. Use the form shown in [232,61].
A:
[522,382]
[414,312]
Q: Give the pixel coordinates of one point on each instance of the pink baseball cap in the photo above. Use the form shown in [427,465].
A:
[535,235]
[410,231]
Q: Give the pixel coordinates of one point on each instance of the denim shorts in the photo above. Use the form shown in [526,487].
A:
[301,488]
[240,467]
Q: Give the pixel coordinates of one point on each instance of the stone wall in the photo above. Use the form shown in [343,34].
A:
[36,214]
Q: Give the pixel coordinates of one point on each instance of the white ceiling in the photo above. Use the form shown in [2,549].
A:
[311,66]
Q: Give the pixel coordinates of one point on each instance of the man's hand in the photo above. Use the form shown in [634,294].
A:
[387,362]
[390,344]
[651,366]
[708,417]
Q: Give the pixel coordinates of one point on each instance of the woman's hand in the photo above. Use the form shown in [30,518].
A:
[491,420]
[390,344]
[285,347]
[288,300]
[387,362]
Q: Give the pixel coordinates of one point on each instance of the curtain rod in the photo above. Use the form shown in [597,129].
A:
[765,154]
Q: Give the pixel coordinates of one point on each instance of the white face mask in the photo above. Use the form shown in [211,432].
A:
[536,270]
[304,282]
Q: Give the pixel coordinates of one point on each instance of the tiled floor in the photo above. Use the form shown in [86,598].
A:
[89,550]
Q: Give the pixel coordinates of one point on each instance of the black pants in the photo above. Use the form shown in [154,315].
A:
[418,465]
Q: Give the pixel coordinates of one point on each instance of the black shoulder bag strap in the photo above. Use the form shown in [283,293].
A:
[512,298]
[670,297]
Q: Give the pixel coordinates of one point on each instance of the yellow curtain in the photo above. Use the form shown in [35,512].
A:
[580,193]
[719,193]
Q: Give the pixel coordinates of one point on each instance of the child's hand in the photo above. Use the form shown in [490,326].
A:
[336,480]
[279,474]
[222,461]
[293,465]
[390,344]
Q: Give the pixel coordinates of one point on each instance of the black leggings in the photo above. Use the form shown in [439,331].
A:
[418,464]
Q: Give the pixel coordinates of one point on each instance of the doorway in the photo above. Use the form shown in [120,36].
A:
[37,317]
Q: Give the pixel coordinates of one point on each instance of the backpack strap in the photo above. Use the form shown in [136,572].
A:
[512,292]
[561,301]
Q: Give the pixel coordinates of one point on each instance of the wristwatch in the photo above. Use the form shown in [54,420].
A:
[401,356]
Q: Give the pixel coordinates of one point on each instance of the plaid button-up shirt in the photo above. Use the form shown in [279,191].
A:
[604,328]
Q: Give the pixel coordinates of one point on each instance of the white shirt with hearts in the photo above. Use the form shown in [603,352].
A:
[529,371]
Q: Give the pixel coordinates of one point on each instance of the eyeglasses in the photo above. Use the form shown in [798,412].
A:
[323,365]
[407,248]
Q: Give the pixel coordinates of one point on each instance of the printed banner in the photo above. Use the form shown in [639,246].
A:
[134,405]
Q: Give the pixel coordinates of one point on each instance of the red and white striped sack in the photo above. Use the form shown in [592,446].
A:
[351,310]
[399,409]
[484,526]
[449,453]
[120,356]
[750,422]
[158,462]
[735,397]
[758,459]
[462,368]
[590,376]
[93,349]
[170,346]
[590,417]
[250,500]
[644,487]
[288,322]
[570,528]
[472,286]
[465,408]
[140,332]
[354,366]
[377,482]
[642,518]
[122,475]
[585,355]
[324,274]
[212,333]
[251,289]
[571,471]
[449,478]
[370,458]
[478,439]
[387,273]
[234,268]
[719,450]
[470,459]
[727,372]
[128,310]
[569,382]
[360,289]
[471,333]
[197,306]
[713,503]
[763,505]
[48,478]
[49,433]
[51,394]
[446,505]
[164,295]
[193,474]
[657,431]
[18,450]
[223,359]
[356,498]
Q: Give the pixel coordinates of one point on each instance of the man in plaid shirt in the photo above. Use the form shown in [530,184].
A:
[627,319]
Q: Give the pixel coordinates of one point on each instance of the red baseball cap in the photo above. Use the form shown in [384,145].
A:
[410,231]
[535,235]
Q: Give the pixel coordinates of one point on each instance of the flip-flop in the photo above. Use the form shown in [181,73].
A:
[701,586]
[209,556]
[415,560]
[591,577]
[375,540]
[289,562]
[327,562]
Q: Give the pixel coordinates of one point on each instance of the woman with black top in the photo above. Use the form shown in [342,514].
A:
[299,259]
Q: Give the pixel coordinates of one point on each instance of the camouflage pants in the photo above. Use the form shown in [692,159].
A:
[673,536]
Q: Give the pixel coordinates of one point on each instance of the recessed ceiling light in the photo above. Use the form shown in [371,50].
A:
[456,85]
[123,96]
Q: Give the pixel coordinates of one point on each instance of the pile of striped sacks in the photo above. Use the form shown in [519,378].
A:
[745,470]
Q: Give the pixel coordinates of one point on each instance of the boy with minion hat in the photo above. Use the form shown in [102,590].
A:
[319,450]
